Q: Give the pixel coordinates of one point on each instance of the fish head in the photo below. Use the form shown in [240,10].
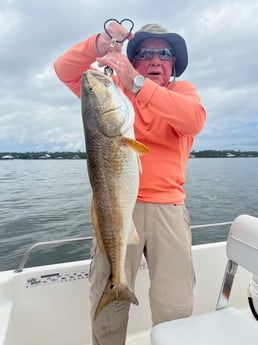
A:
[104,105]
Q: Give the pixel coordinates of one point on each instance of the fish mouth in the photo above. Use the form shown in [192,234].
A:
[103,78]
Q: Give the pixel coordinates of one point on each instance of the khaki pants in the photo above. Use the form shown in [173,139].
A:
[165,240]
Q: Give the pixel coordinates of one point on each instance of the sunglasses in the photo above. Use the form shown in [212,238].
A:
[148,53]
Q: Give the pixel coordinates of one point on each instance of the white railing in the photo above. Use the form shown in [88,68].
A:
[48,244]
[209,225]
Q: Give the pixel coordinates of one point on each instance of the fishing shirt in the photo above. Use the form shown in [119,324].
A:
[167,119]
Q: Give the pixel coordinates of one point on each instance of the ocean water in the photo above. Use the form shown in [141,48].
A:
[45,200]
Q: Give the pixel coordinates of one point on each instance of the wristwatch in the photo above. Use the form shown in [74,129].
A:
[137,84]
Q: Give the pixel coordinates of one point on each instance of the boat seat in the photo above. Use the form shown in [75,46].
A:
[225,325]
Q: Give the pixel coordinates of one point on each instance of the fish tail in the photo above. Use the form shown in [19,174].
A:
[115,293]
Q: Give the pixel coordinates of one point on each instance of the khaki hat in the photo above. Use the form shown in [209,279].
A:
[176,42]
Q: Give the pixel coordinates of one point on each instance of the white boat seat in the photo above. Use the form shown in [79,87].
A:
[225,325]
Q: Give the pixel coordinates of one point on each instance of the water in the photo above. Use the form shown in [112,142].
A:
[218,190]
[43,201]
[50,200]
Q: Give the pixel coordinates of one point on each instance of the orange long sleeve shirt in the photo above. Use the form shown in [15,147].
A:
[166,121]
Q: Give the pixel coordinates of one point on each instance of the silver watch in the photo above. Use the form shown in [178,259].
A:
[137,84]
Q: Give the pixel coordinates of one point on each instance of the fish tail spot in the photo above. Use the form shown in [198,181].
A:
[114,292]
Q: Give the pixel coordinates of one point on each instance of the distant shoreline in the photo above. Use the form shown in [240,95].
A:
[45,155]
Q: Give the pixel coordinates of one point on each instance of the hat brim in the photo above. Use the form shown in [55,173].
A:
[176,41]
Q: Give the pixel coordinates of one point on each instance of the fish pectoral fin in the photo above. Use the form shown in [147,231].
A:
[140,148]
[133,236]
[139,164]
[95,223]
[115,293]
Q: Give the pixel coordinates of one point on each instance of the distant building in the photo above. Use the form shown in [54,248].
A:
[7,157]
[45,156]
[76,157]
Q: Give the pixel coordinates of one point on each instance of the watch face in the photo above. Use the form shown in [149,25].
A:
[139,80]
[137,83]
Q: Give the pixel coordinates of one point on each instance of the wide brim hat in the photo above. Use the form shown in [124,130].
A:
[176,42]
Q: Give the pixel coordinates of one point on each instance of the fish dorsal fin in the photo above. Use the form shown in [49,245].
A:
[96,228]
[140,148]
[133,236]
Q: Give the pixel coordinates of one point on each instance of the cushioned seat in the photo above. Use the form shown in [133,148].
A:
[224,326]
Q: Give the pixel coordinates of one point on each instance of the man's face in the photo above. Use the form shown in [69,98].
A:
[155,69]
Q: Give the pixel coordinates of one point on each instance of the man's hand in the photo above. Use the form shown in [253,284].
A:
[103,42]
[121,65]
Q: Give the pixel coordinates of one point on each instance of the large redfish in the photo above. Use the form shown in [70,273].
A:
[113,168]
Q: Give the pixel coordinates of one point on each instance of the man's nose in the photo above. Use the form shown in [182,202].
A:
[155,60]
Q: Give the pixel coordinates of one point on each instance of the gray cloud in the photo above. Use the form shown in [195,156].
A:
[38,113]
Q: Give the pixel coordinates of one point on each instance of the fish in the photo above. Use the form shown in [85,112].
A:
[113,168]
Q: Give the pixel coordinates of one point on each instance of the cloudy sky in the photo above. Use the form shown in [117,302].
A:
[38,113]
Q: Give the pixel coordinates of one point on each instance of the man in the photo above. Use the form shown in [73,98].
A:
[168,116]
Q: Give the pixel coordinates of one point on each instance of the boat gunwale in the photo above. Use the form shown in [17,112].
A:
[55,243]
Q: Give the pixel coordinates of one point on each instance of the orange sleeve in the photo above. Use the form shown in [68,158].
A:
[70,66]
[179,105]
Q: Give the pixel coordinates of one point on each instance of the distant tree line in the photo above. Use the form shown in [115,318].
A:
[223,154]
[44,155]
[83,155]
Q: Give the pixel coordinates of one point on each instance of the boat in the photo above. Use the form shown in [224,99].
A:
[49,304]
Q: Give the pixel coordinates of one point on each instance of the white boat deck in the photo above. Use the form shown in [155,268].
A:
[49,305]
